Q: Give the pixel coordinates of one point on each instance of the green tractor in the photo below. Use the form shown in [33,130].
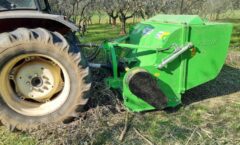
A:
[45,77]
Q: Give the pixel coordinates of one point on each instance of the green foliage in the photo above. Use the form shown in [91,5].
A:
[97,33]
[235,41]
[17,138]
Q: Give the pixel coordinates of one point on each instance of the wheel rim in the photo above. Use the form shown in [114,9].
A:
[34,84]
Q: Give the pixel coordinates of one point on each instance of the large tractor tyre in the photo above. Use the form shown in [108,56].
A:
[43,78]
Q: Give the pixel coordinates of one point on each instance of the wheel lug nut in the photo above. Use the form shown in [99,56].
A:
[11,77]
[40,90]
[46,101]
[45,77]
[45,88]
[27,59]
[47,82]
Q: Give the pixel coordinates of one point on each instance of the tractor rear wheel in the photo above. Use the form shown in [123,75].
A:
[43,78]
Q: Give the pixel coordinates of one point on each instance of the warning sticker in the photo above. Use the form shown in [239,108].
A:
[162,34]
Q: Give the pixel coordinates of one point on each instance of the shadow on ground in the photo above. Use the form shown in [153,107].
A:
[228,82]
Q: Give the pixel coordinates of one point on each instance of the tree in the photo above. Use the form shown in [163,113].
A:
[127,9]
[217,7]
[111,8]
[154,7]
[81,11]
[190,6]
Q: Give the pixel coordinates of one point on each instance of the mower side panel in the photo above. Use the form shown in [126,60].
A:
[211,42]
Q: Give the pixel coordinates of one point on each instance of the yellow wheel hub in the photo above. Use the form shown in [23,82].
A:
[37,79]
[34,84]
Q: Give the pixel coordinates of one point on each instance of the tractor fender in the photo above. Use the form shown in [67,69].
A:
[38,16]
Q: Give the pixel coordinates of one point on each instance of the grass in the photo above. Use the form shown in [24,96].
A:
[235,40]
[17,138]
[210,113]
[98,33]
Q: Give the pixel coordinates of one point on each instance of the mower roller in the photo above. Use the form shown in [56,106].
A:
[44,73]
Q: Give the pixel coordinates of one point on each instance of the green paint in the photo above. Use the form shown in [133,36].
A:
[141,50]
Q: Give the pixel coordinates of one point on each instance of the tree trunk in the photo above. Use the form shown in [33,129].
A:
[114,21]
[142,15]
[123,27]
[99,19]
[218,15]
[109,20]
[73,13]
[90,20]
[181,7]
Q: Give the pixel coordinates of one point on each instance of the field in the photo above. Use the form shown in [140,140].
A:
[235,42]
[210,113]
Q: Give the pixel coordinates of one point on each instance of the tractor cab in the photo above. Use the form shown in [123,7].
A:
[39,5]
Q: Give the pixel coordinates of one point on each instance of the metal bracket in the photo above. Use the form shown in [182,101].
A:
[175,55]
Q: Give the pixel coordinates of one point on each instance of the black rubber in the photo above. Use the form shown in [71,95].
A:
[65,51]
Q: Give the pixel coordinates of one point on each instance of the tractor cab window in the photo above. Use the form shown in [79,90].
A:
[42,5]
[17,4]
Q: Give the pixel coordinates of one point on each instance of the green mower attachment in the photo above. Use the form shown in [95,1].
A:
[163,57]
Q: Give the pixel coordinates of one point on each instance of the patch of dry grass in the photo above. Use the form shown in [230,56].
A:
[233,58]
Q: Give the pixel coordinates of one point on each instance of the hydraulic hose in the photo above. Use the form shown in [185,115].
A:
[94,52]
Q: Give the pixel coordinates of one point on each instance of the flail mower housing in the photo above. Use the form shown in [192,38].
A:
[164,56]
